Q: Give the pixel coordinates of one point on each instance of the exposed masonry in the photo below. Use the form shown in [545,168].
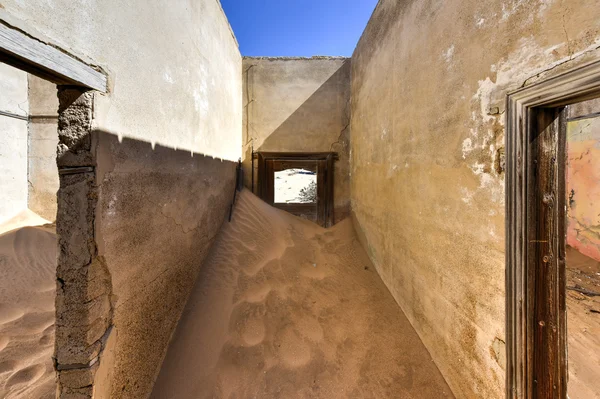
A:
[83,297]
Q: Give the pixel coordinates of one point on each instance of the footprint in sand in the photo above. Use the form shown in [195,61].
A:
[26,376]
[310,328]
[293,352]
[253,331]
[317,271]
[257,293]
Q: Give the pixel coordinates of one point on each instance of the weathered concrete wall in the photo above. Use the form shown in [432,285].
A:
[583,190]
[159,210]
[171,66]
[429,81]
[148,202]
[41,149]
[13,142]
[299,105]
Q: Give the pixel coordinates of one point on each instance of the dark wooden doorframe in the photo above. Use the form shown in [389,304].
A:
[324,166]
[536,330]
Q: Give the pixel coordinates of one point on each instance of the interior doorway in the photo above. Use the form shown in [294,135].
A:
[583,248]
[541,270]
[299,183]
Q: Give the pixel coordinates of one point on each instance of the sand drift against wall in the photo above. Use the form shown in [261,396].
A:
[286,309]
[27,292]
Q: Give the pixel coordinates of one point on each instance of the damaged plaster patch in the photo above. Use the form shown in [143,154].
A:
[467,147]
[467,196]
[498,352]
[168,78]
[483,146]
[448,54]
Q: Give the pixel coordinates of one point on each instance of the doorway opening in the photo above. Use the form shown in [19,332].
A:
[544,350]
[29,181]
[299,183]
[583,248]
[57,262]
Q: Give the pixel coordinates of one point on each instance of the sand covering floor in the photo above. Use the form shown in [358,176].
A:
[27,292]
[286,309]
[583,325]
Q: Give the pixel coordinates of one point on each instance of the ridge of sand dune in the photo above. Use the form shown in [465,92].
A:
[286,309]
[24,218]
[27,292]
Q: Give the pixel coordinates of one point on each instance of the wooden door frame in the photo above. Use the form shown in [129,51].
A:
[536,346]
[324,180]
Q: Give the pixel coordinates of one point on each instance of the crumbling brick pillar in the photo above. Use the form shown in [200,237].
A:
[83,297]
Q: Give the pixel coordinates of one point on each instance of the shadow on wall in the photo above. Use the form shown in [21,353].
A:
[314,126]
[320,124]
[151,216]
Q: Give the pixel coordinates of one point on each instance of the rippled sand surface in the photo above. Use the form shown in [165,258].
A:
[286,309]
[27,292]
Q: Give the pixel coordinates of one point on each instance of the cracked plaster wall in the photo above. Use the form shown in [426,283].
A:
[429,82]
[299,105]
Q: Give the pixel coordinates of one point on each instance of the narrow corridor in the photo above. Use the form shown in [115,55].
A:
[286,309]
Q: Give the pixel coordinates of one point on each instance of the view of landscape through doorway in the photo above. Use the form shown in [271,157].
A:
[552,242]
[583,248]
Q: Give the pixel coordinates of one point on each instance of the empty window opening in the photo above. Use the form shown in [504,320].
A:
[295,186]
[298,183]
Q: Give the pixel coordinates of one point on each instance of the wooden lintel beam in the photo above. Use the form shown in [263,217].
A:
[38,58]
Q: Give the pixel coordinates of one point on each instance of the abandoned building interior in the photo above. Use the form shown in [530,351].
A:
[419,220]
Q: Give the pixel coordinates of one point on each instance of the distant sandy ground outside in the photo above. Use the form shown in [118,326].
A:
[286,309]
[583,325]
[27,292]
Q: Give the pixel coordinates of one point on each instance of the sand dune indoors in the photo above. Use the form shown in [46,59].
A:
[286,309]
[27,292]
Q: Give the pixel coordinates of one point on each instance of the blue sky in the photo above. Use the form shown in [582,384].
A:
[298,27]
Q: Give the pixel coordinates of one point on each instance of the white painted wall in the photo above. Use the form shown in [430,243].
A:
[13,142]
[42,143]
[175,68]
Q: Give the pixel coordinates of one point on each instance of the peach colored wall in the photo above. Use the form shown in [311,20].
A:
[583,186]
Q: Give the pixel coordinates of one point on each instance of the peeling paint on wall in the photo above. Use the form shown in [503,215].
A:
[435,231]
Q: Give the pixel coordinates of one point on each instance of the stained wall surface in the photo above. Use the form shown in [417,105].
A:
[159,148]
[160,210]
[583,185]
[429,81]
[41,147]
[299,105]
[13,142]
